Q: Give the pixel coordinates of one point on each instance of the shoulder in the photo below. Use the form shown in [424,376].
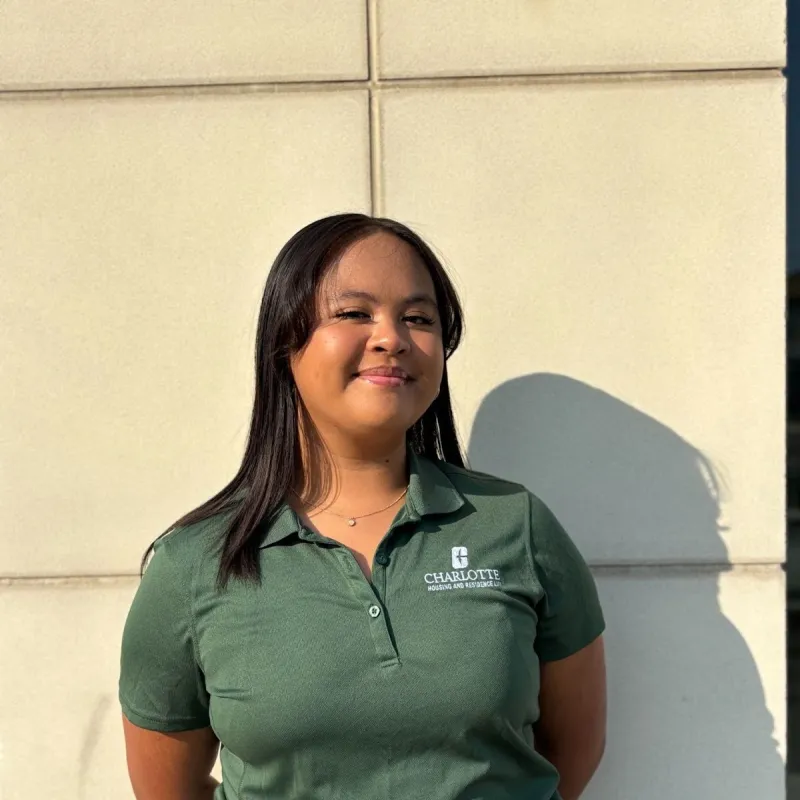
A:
[488,493]
[470,480]
[485,490]
[181,559]
[183,547]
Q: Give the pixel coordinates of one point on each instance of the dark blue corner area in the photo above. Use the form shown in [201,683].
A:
[793,139]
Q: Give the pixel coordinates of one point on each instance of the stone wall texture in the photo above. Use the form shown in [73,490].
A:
[606,184]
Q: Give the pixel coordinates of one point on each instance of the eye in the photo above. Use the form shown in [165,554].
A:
[419,319]
[351,315]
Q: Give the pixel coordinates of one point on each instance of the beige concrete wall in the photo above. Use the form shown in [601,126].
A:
[606,184]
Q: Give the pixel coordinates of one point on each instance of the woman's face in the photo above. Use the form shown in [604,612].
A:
[374,362]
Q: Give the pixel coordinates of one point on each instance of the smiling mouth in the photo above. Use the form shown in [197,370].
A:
[385,376]
[383,380]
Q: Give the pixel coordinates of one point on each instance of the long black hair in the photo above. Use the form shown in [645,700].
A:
[272,457]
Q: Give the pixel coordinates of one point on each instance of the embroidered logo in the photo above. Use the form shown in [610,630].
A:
[460,577]
[460,559]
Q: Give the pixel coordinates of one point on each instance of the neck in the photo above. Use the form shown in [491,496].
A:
[350,479]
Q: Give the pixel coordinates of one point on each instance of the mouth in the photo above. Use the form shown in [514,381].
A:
[385,376]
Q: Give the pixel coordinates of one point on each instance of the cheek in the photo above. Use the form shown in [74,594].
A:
[430,352]
[328,356]
[339,349]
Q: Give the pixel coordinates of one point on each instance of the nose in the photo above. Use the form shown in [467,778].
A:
[389,337]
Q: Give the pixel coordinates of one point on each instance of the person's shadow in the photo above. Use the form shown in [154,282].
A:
[687,712]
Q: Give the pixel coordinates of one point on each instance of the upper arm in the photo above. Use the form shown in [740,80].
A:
[572,701]
[162,687]
[170,766]
[571,728]
[569,615]
[161,683]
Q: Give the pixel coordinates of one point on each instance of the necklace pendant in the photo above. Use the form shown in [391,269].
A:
[351,522]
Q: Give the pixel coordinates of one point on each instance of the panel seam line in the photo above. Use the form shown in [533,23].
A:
[374,133]
[376,85]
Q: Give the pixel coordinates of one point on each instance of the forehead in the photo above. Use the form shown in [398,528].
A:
[382,265]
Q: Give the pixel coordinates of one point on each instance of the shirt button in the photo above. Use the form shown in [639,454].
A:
[382,558]
[374,611]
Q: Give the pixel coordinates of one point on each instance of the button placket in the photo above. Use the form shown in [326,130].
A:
[363,590]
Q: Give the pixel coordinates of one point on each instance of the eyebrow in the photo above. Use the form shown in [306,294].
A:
[354,294]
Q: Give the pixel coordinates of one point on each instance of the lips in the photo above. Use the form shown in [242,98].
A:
[384,376]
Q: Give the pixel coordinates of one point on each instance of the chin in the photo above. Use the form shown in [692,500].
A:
[383,425]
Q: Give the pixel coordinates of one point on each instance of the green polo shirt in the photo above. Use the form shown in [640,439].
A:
[321,685]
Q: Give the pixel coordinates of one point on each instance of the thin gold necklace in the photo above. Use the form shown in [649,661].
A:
[351,521]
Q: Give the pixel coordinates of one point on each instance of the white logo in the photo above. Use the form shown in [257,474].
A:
[461,577]
[460,559]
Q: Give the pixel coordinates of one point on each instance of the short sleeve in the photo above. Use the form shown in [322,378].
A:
[570,615]
[161,686]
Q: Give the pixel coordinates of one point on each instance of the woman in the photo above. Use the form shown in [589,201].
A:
[356,615]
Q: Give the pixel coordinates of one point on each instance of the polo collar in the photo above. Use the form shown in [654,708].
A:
[284,525]
[430,492]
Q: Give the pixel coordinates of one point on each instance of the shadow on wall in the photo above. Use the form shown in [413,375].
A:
[687,713]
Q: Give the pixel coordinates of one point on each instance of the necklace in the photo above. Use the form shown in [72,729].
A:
[351,521]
